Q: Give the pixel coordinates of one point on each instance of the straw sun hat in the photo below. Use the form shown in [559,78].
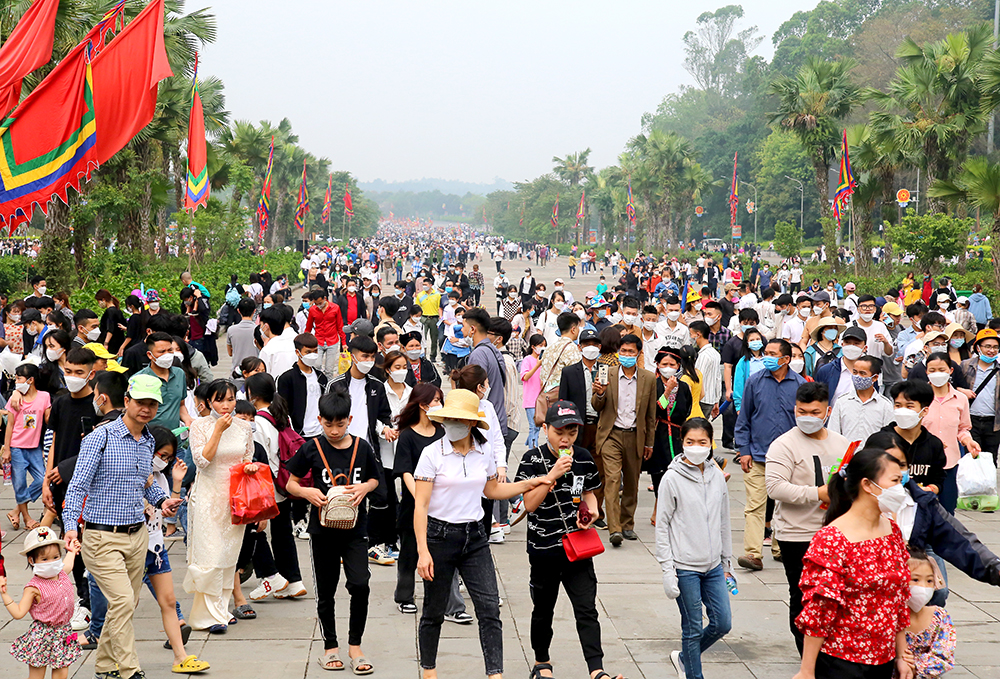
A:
[461,404]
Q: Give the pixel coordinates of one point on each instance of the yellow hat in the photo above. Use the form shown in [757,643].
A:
[99,350]
[115,367]
[892,308]
[461,404]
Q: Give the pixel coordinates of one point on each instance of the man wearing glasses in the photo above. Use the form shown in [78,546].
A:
[879,340]
[981,372]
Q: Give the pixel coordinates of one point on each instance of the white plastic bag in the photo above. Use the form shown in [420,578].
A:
[977,476]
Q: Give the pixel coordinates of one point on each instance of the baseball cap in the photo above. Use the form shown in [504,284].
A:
[361,326]
[855,333]
[562,414]
[99,350]
[30,315]
[944,297]
[821,296]
[144,386]
[589,335]
[850,286]
[892,308]
[931,336]
[962,300]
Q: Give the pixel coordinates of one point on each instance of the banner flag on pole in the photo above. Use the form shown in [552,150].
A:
[846,185]
[327,202]
[734,195]
[520,222]
[264,205]
[580,210]
[348,203]
[554,220]
[302,209]
[630,205]
[28,47]
[197,157]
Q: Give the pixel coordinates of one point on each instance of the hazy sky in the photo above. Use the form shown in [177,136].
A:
[464,90]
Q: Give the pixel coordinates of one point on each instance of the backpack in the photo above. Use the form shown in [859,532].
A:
[289,443]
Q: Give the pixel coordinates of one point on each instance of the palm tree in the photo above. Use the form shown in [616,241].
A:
[573,169]
[662,158]
[978,183]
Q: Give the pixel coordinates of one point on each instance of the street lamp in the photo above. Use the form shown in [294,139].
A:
[802,197]
[756,206]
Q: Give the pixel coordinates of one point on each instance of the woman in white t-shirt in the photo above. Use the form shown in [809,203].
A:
[547,321]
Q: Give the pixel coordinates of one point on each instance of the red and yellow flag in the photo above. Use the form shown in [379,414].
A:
[197,158]
[28,47]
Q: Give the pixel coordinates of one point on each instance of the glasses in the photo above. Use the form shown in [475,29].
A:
[989,348]
[866,307]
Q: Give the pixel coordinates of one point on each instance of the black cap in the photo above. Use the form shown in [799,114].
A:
[589,335]
[854,332]
[30,315]
[562,414]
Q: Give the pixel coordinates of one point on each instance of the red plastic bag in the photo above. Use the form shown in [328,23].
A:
[251,495]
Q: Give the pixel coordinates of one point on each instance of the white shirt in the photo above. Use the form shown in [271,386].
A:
[857,420]
[310,420]
[710,364]
[875,347]
[359,409]
[458,480]
[679,331]
[845,385]
[396,403]
[495,445]
[649,348]
[627,399]
[279,354]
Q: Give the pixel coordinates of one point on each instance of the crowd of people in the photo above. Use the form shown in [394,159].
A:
[385,402]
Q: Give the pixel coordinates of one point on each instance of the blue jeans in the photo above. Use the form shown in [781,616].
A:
[697,588]
[532,441]
[24,461]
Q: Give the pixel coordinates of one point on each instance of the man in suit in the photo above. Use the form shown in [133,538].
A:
[576,385]
[626,428]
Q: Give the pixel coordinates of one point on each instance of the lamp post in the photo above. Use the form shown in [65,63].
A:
[756,206]
[802,198]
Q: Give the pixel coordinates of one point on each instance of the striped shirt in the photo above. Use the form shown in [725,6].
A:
[111,473]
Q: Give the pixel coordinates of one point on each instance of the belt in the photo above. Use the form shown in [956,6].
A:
[623,428]
[131,528]
[982,417]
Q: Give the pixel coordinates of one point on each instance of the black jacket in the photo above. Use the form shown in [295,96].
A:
[573,387]
[427,370]
[378,405]
[292,387]
[405,304]
[341,301]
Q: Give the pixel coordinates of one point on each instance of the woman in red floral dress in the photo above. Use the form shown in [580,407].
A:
[855,580]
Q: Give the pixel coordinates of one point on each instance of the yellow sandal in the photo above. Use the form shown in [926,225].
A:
[190,665]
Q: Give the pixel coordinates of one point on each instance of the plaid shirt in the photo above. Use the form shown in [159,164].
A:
[719,339]
[111,473]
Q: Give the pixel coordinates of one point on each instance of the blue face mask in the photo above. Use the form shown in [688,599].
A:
[755,345]
[601,313]
[957,342]
[771,363]
[267,305]
[830,334]
[305,306]
[986,358]
[748,328]
[627,361]
[906,477]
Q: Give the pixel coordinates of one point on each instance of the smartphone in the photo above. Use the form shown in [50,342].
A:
[602,374]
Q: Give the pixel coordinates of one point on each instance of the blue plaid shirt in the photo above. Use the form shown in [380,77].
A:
[111,473]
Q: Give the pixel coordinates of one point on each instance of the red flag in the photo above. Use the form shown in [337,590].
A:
[28,47]
[348,203]
[554,220]
[197,166]
[126,74]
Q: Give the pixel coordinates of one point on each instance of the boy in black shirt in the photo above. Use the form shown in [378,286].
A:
[552,513]
[328,456]
[924,451]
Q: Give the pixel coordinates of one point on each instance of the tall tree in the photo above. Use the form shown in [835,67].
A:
[573,169]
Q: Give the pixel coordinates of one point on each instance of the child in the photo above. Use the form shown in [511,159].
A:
[930,637]
[693,545]
[23,443]
[456,344]
[49,597]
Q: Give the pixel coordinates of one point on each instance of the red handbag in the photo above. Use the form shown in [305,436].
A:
[251,495]
[582,544]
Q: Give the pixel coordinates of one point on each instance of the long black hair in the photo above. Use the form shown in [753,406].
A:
[261,386]
[745,352]
[844,487]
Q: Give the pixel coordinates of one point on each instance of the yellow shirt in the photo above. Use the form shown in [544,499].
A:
[695,395]
[430,302]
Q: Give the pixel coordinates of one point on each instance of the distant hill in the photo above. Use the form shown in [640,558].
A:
[442,185]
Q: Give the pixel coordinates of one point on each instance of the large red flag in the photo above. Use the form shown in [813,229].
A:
[126,74]
[28,47]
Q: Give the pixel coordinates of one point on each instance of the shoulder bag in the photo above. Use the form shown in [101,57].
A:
[547,398]
[338,512]
[578,544]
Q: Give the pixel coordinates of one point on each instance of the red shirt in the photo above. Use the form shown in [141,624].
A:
[326,325]
[352,308]
[854,595]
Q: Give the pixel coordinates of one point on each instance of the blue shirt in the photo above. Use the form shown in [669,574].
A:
[111,472]
[903,340]
[767,412]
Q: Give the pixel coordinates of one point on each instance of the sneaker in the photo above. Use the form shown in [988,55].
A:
[500,602]
[506,528]
[601,524]
[767,537]
[377,554]
[616,539]
[113,674]
[462,618]
[496,535]
[268,586]
[81,619]
[291,590]
[675,660]
[299,530]
[393,551]
[517,506]
[409,609]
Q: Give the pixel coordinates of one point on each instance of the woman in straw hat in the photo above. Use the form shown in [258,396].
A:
[451,477]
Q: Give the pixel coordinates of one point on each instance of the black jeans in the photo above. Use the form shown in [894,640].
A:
[462,547]
[79,568]
[328,549]
[286,558]
[257,551]
[382,520]
[406,567]
[792,554]
[548,571]
[983,434]
[829,667]
[729,427]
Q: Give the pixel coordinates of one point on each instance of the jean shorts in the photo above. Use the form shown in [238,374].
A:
[157,563]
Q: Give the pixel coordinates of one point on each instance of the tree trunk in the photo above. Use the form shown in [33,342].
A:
[862,238]
[146,156]
[163,215]
[830,230]
[56,242]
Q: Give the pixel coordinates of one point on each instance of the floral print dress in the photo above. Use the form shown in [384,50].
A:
[933,648]
[50,641]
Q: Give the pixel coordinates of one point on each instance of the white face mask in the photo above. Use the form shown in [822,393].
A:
[179,356]
[629,319]
[456,431]
[919,596]
[311,360]
[159,464]
[696,454]
[817,310]
[398,376]
[352,288]
[154,306]
[365,366]
[892,498]
[94,334]
[672,316]
[804,312]
[906,418]
[22,387]
[434,409]
[164,360]
[591,352]
[42,290]
[47,570]
[867,317]
[54,354]
[558,306]
[75,384]
[852,352]
[668,372]
[796,365]
[938,379]
[581,314]
[97,408]
[649,326]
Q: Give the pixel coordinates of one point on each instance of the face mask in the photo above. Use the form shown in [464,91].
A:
[957,342]
[919,596]
[697,306]
[862,383]
[75,384]
[771,363]
[398,376]
[892,498]
[22,387]
[426,288]
[943,306]
[866,317]
[797,364]
[817,310]
[352,288]
[808,424]
[97,408]
[755,345]
[696,454]
[830,334]
[591,352]
[804,312]
[159,464]
[712,320]
[311,360]
[627,361]
[889,322]
[748,328]
[906,418]
[601,313]
[42,289]
[414,354]
[986,358]
[13,318]
[668,372]
[433,409]
[906,477]
[365,366]
[164,361]
[581,314]
[453,303]
[267,305]
[375,293]
[672,316]
[852,352]
[456,431]
[94,334]
[559,287]
[305,306]
[54,354]
[628,319]
[49,569]
[512,295]
[938,379]
[649,326]
[155,306]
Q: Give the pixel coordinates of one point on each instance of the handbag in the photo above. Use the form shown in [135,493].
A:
[251,495]
[579,544]
[547,398]
[338,512]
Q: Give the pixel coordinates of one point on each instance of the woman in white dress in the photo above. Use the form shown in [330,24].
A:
[218,442]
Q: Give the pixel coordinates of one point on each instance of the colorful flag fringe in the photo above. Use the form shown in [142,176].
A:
[197,157]
[302,209]
[264,204]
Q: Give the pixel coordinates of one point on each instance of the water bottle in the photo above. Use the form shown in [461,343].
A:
[7,481]
[731,583]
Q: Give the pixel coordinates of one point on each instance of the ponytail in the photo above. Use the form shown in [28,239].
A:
[845,486]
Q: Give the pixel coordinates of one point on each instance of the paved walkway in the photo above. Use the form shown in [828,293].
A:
[640,626]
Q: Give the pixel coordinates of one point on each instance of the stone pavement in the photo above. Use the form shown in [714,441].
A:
[640,625]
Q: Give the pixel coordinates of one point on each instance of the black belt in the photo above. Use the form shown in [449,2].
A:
[623,429]
[131,528]
[982,417]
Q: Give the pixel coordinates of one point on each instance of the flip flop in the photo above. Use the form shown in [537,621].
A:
[331,662]
[190,665]
[245,612]
[358,662]
[32,524]
[15,522]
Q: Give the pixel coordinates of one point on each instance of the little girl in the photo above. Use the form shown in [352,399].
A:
[930,637]
[49,597]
